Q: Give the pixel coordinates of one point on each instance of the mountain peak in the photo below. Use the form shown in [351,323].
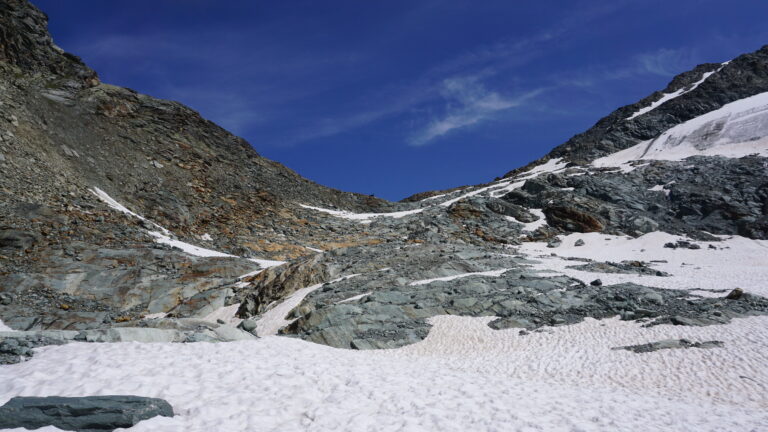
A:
[26,43]
[690,94]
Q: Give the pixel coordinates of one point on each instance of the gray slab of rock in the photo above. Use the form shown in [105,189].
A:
[553,243]
[131,334]
[227,333]
[16,347]
[686,321]
[62,335]
[248,325]
[669,344]
[90,413]
[625,267]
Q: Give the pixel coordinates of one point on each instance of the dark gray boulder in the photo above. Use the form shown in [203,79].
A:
[624,267]
[90,413]
[508,209]
[18,349]
[670,344]
[16,239]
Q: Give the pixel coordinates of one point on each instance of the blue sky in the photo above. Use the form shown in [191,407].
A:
[401,96]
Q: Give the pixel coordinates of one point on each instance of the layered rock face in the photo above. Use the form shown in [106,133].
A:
[125,217]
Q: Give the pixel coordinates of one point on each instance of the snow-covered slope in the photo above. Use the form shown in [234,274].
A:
[737,129]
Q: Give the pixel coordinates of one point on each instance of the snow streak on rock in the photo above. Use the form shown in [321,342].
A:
[666,97]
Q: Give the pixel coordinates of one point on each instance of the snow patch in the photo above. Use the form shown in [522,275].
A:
[473,193]
[226,314]
[506,189]
[273,320]
[734,262]
[111,202]
[492,273]
[531,226]
[354,298]
[550,166]
[186,247]
[666,97]
[5,328]
[265,263]
[433,197]
[164,236]
[662,188]
[363,217]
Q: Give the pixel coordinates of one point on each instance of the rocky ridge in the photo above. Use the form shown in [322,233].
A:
[703,89]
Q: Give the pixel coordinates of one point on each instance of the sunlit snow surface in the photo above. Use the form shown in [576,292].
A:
[735,261]
[737,129]
[463,377]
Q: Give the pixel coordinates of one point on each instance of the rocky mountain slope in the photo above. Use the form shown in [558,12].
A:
[691,94]
[139,207]
[128,218]
[65,136]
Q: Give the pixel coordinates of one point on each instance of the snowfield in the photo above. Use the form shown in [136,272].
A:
[463,377]
[735,261]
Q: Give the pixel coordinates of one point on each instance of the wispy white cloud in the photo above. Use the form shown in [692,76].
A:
[262,87]
[468,102]
[465,107]
[665,62]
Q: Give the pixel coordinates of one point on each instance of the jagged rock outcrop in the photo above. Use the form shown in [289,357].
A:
[26,44]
